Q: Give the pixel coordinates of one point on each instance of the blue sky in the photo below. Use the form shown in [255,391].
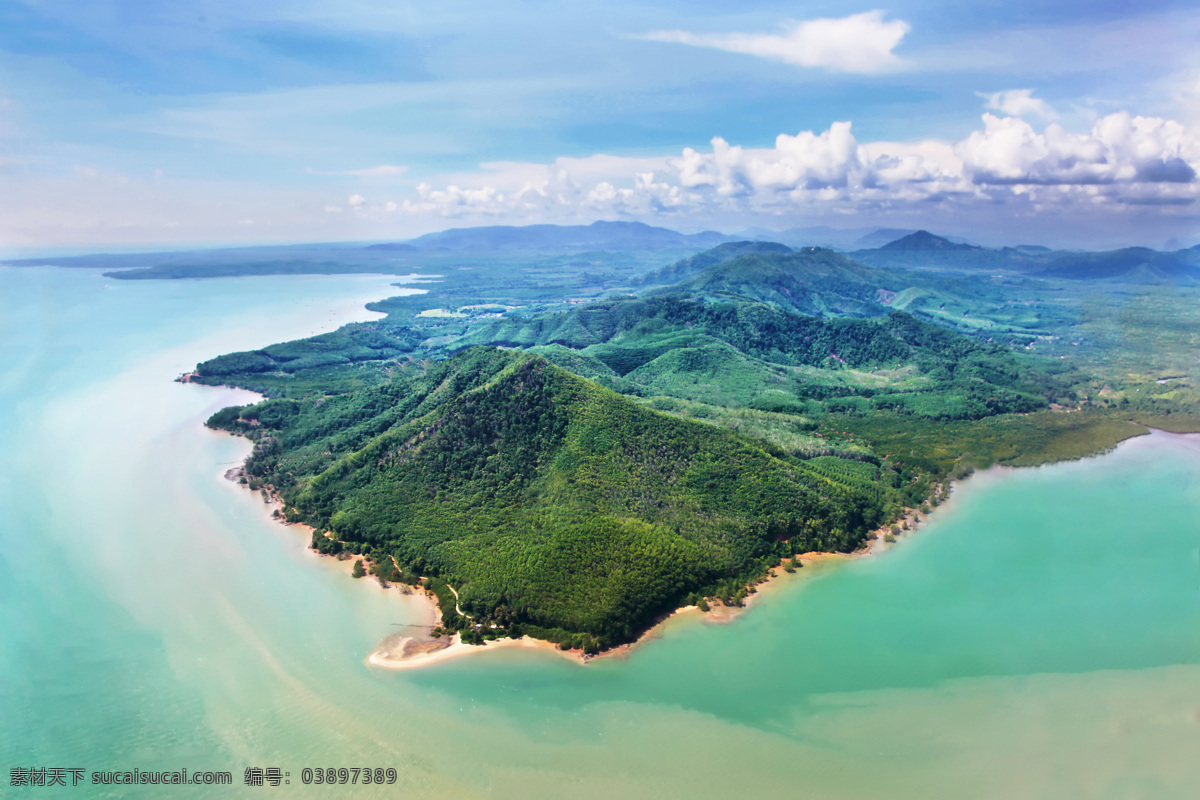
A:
[153,123]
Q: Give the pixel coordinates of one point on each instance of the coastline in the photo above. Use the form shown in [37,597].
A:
[403,651]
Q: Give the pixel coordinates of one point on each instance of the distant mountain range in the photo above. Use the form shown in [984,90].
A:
[811,280]
[688,267]
[550,238]
[1130,265]
[886,248]
[924,241]
[1134,265]
[636,236]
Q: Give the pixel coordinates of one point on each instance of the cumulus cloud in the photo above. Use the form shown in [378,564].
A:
[356,201]
[1119,149]
[857,43]
[803,161]
[1123,161]
[453,201]
[1017,103]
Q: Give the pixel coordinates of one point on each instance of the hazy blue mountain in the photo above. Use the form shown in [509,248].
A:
[693,265]
[925,241]
[825,236]
[395,247]
[608,247]
[812,280]
[1139,265]
[226,255]
[880,237]
[551,238]
[925,250]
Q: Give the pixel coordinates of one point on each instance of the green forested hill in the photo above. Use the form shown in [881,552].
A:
[324,361]
[1137,265]
[625,454]
[749,353]
[551,504]
[689,267]
[811,280]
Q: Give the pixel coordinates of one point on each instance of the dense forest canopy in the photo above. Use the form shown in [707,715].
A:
[548,501]
[574,467]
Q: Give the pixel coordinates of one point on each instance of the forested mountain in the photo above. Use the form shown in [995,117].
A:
[748,353]
[925,241]
[1139,265]
[825,236]
[641,250]
[687,267]
[626,453]
[1134,265]
[351,344]
[812,280]
[552,505]
[924,250]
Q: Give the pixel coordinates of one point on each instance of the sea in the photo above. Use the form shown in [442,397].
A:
[1037,637]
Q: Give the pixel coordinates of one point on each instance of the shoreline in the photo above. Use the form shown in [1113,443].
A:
[404,652]
[400,652]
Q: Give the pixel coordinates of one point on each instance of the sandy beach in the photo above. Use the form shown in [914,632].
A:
[403,651]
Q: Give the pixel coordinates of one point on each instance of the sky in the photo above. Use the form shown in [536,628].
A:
[209,122]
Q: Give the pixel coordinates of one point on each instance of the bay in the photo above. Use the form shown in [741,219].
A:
[1039,637]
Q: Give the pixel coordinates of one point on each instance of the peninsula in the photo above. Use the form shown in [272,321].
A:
[574,469]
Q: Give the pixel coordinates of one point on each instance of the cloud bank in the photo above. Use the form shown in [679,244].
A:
[859,43]
[1118,149]
[1122,162]
[1125,179]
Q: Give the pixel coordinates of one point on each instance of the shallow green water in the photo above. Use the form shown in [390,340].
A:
[1039,638]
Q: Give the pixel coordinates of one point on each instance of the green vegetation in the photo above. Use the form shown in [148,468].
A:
[548,502]
[956,448]
[740,353]
[299,367]
[574,458]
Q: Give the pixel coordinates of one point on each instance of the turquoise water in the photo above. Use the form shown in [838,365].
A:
[1039,638]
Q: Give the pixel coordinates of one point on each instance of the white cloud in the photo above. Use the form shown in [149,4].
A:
[453,201]
[857,43]
[1121,173]
[1018,103]
[806,160]
[380,171]
[1119,149]
[1122,162]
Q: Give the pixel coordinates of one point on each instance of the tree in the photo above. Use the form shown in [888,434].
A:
[358,570]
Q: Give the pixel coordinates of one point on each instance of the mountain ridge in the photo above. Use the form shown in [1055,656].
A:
[546,237]
[556,507]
